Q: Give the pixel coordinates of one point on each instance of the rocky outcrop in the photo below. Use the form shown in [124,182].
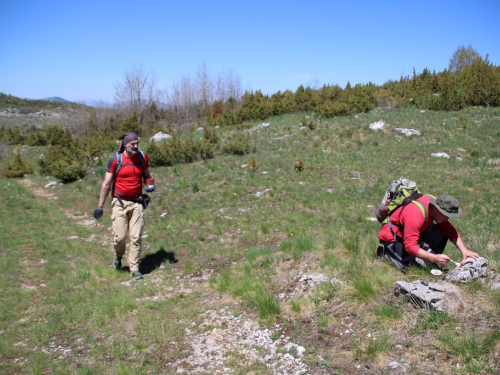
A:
[438,295]
[473,268]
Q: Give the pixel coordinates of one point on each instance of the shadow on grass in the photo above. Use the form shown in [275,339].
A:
[153,261]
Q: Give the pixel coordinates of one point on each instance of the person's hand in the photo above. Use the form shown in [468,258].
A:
[441,259]
[149,188]
[98,213]
[466,253]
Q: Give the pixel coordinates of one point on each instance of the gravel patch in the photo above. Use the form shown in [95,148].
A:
[229,338]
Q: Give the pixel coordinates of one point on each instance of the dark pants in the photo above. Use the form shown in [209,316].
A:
[432,240]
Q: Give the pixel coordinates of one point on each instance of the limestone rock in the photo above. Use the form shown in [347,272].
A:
[474,268]
[438,295]
[160,136]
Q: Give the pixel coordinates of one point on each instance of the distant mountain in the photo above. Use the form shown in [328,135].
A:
[94,103]
[56,99]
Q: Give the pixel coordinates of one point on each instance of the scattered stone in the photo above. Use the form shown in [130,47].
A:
[50,184]
[441,155]
[10,112]
[261,193]
[438,295]
[473,268]
[227,333]
[314,279]
[394,365]
[160,136]
[264,125]
[379,125]
[374,219]
[407,132]
[281,138]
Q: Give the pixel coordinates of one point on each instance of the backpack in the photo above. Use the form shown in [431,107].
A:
[401,193]
[119,165]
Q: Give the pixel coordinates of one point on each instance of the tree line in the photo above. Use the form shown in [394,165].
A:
[208,101]
[470,80]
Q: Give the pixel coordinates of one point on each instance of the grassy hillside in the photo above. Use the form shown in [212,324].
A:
[226,247]
[25,113]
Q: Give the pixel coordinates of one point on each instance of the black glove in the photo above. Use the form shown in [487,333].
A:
[98,213]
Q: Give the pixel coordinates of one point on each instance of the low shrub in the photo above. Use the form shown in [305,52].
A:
[18,169]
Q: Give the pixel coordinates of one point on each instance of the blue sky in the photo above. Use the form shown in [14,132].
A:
[80,50]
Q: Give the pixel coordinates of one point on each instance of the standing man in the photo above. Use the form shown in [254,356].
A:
[410,233]
[125,172]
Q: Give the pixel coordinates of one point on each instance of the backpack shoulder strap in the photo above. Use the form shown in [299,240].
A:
[118,163]
[422,206]
[143,163]
[117,169]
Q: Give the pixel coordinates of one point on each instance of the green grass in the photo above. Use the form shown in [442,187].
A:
[243,251]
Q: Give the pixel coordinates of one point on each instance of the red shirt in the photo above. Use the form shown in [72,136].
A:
[408,223]
[128,182]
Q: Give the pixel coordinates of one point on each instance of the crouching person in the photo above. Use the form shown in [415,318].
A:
[418,232]
[125,173]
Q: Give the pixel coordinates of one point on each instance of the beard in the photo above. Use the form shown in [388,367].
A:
[132,150]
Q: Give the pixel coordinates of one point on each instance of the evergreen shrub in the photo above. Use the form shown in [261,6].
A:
[238,146]
[18,169]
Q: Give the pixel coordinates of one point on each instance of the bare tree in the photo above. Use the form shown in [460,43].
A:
[205,86]
[228,85]
[138,90]
[190,98]
[182,98]
[462,58]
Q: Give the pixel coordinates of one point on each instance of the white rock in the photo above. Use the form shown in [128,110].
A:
[441,155]
[379,125]
[261,193]
[50,184]
[408,132]
[264,125]
[394,365]
[160,136]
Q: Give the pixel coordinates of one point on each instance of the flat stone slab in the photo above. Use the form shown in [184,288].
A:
[438,295]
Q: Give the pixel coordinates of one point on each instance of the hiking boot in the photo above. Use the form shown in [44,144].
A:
[117,263]
[137,275]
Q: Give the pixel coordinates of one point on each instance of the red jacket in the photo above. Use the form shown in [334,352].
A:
[408,223]
[128,182]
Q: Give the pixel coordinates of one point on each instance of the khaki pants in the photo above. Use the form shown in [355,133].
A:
[128,216]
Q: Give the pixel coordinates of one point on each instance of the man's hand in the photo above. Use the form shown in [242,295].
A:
[441,259]
[466,253]
[149,188]
[98,213]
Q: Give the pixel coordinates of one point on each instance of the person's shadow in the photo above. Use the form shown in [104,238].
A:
[153,261]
